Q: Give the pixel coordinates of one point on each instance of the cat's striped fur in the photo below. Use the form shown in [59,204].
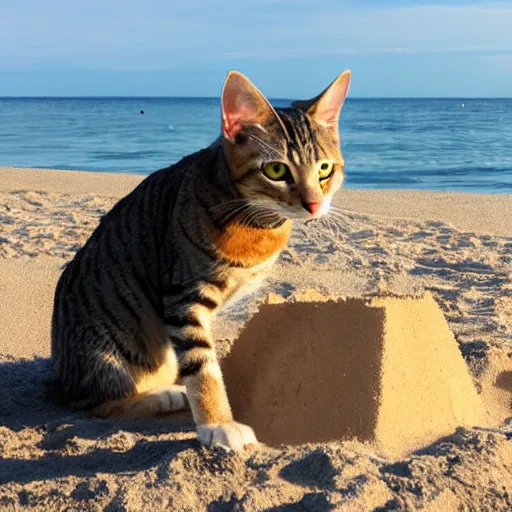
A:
[132,312]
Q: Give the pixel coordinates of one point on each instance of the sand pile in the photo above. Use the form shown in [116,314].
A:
[383,370]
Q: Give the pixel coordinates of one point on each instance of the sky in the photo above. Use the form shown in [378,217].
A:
[288,48]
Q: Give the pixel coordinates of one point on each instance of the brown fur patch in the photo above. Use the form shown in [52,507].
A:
[248,246]
[208,398]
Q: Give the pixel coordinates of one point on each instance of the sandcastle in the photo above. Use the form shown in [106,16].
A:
[383,370]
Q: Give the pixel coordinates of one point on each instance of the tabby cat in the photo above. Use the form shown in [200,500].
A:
[132,312]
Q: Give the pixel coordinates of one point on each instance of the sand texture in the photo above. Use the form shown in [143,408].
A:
[395,245]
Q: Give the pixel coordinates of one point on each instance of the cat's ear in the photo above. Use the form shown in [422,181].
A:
[326,107]
[242,104]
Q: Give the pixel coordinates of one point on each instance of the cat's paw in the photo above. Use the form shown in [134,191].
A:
[235,436]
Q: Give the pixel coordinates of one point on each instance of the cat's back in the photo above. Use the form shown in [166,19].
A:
[114,278]
[134,218]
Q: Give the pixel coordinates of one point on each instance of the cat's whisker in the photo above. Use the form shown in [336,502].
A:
[237,208]
[251,218]
[340,223]
[267,219]
[325,225]
[260,214]
[345,214]
[338,214]
[231,213]
[246,210]
[271,211]
[266,214]
[333,227]
[338,209]
[244,219]
[229,205]
[230,202]
[337,225]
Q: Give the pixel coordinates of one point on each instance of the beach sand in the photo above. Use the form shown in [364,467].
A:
[394,245]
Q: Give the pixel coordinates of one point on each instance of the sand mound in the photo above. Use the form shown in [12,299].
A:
[383,370]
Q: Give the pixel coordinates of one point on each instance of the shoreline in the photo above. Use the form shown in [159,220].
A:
[476,212]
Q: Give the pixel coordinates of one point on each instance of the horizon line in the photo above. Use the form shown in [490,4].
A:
[99,97]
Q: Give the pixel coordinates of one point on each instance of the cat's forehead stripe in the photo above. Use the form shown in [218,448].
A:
[301,147]
[295,156]
[314,144]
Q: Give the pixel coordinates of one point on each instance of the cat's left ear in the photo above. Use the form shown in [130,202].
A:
[326,107]
[242,104]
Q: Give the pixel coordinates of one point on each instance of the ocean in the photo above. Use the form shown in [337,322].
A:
[425,144]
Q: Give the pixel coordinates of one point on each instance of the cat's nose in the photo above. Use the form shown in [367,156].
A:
[312,208]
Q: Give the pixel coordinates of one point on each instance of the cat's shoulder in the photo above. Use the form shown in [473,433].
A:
[189,164]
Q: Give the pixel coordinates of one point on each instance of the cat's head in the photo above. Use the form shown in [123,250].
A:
[285,160]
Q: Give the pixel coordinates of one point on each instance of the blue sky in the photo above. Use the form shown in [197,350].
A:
[288,48]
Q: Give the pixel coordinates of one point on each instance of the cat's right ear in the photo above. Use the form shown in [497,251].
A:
[326,107]
[242,104]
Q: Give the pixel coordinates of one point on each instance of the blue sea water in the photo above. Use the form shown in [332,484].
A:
[431,144]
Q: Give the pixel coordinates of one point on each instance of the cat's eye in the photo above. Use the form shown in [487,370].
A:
[276,171]
[325,169]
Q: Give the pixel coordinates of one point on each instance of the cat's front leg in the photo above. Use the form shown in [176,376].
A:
[210,406]
[199,370]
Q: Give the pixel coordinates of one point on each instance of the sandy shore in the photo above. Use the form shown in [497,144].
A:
[457,246]
[482,213]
